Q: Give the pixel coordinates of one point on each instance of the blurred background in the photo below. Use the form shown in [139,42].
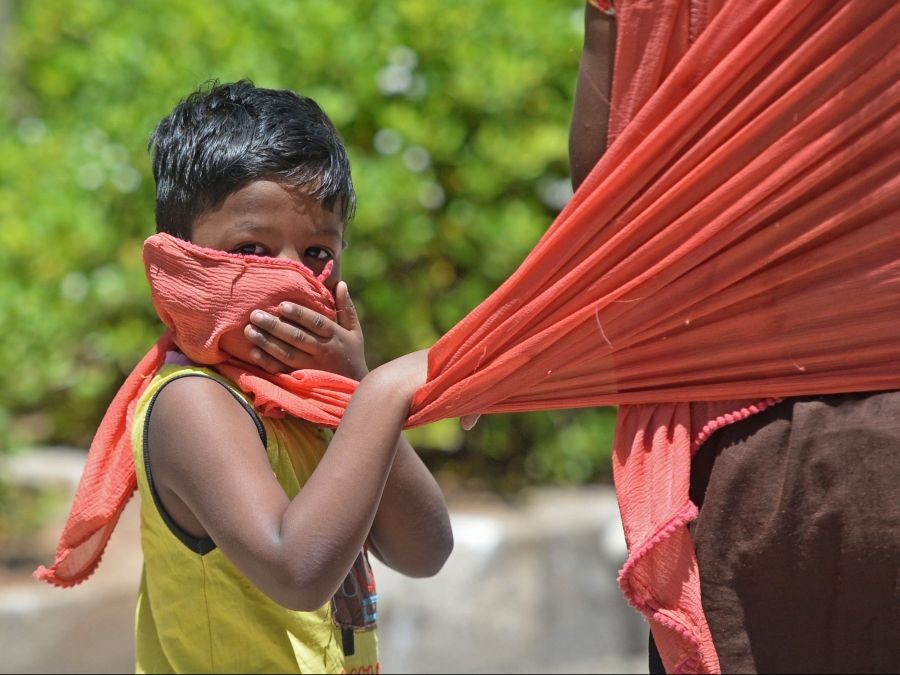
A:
[456,120]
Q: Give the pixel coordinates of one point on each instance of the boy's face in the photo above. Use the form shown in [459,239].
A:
[269,219]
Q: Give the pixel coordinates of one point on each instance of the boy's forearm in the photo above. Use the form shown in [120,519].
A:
[334,512]
[411,531]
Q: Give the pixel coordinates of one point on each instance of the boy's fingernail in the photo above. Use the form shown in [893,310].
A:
[255,354]
[257,316]
[285,306]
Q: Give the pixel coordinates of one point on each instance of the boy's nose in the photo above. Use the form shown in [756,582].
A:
[290,253]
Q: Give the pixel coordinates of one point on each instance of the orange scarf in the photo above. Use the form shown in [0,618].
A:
[205,298]
[739,241]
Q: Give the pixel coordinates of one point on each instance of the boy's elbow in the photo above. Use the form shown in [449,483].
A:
[298,603]
[298,590]
[444,553]
[302,599]
[434,563]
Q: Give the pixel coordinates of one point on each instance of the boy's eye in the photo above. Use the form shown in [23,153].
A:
[250,249]
[319,253]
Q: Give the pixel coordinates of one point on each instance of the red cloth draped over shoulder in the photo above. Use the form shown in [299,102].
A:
[738,242]
[204,297]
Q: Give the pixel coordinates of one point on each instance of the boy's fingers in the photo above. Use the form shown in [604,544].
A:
[273,366]
[267,363]
[346,310]
[297,336]
[311,320]
[284,352]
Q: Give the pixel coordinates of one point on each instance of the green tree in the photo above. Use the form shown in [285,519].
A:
[455,115]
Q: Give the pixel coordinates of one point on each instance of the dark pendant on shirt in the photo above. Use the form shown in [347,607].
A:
[348,642]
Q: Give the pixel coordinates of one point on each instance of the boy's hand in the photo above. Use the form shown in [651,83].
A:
[303,338]
[399,378]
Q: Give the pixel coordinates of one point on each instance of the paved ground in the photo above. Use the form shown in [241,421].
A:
[528,589]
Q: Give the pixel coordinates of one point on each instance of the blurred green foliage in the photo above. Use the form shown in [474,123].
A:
[25,508]
[456,119]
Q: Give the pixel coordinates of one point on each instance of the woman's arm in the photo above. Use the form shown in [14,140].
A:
[590,115]
[210,462]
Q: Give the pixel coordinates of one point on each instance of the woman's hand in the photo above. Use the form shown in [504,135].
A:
[303,338]
[468,422]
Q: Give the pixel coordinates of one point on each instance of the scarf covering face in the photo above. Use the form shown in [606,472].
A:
[204,297]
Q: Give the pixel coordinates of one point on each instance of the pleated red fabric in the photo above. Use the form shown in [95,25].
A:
[739,238]
[738,242]
[204,297]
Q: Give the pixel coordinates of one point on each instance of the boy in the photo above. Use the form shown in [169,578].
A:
[254,536]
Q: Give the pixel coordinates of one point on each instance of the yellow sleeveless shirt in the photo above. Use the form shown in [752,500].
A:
[197,613]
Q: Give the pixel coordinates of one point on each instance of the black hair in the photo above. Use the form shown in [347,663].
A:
[224,136]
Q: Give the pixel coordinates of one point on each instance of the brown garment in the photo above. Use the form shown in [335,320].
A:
[798,538]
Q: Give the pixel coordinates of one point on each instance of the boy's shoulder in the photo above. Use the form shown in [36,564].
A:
[196,401]
[193,397]
[185,388]
[180,375]
[180,368]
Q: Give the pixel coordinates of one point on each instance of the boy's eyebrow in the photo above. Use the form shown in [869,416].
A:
[262,226]
[252,225]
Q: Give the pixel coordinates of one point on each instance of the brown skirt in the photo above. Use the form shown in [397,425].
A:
[798,538]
